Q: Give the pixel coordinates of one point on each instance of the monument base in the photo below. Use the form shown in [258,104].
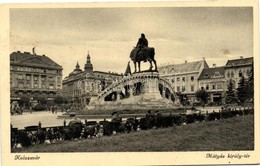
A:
[148,97]
[134,104]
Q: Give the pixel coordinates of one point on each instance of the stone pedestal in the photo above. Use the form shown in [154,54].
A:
[146,96]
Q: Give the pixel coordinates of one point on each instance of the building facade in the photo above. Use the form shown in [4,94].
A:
[213,81]
[184,77]
[34,75]
[236,68]
[81,85]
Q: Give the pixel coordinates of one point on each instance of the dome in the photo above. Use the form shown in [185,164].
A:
[76,70]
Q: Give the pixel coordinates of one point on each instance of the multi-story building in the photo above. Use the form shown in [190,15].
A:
[213,81]
[34,75]
[236,68]
[184,77]
[81,86]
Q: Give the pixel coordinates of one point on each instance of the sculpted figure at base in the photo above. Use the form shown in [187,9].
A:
[143,53]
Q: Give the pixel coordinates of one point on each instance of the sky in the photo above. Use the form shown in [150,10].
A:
[109,34]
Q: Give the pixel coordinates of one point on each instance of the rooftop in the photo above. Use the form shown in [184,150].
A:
[33,60]
[81,74]
[183,67]
[239,62]
[109,73]
[216,72]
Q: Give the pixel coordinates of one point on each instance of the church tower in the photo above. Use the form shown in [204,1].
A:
[88,66]
[77,66]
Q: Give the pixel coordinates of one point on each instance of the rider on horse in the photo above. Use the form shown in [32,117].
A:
[142,43]
[143,53]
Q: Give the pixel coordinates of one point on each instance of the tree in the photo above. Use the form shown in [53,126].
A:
[250,84]
[42,100]
[24,101]
[242,90]
[65,100]
[230,94]
[202,95]
[183,98]
[58,100]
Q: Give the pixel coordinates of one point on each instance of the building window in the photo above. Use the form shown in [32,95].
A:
[178,79]
[20,85]
[213,86]
[207,87]
[173,80]
[219,86]
[51,86]
[232,74]
[192,78]
[36,85]
[28,77]
[183,79]
[217,74]
[228,75]
[240,74]
[20,77]
[178,89]
[183,89]
[50,78]
[192,88]
[43,86]
[247,72]
[43,78]
[35,78]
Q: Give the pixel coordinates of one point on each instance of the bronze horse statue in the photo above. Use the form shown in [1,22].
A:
[146,54]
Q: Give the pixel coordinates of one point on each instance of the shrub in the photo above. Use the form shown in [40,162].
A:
[39,107]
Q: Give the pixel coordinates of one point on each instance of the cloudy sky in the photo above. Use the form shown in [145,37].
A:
[109,34]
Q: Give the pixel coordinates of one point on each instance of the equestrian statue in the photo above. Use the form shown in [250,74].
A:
[143,53]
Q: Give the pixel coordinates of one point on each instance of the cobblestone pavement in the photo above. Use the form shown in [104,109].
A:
[26,119]
[47,119]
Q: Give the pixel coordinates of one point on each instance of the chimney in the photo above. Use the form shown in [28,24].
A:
[185,61]
[33,51]
[203,58]
[214,65]
[241,57]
